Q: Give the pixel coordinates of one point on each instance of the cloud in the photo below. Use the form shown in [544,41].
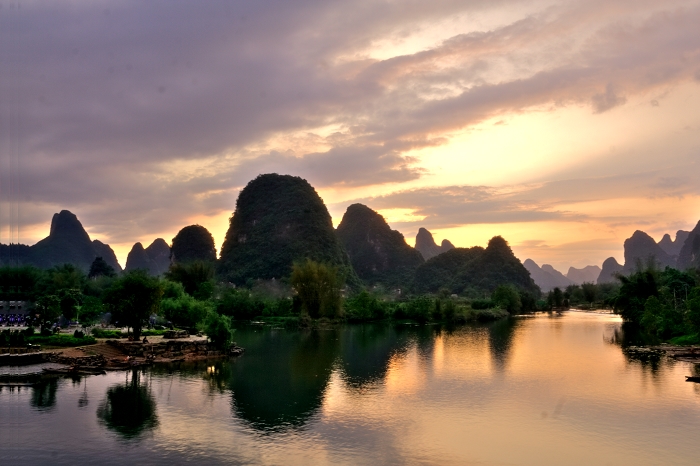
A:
[142,115]
[607,100]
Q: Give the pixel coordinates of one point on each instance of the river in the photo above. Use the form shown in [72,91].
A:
[549,389]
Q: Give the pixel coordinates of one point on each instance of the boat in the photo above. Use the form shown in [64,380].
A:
[692,378]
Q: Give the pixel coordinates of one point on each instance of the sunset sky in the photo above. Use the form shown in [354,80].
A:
[563,126]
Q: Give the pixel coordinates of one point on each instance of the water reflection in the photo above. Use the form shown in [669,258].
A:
[501,341]
[366,351]
[279,382]
[44,394]
[629,337]
[129,409]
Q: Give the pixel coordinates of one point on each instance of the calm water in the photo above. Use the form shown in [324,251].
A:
[539,390]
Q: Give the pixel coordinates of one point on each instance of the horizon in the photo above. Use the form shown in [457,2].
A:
[121,258]
[561,126]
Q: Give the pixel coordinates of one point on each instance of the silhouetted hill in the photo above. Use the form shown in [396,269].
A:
[425,244]
[673,247]
[689,255]
[546,277]
[588,274]
[279,219]
[641,248]
[159,252]
[377,253]
[155,258]
[105,252]
[193,243]
[475,269]
[67,243]
[610,268]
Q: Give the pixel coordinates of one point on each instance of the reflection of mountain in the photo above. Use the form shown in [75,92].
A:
[500,341]
[280,380]
[129,409]
[366,351]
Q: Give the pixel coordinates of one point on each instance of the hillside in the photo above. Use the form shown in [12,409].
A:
[689,255]
[377,253]
[474,270]
[546,277]
[67,243]
[588,274]
[193,243]
[610,268]
[279,219]
[641,248]
[155,258]
[673,247]
[425,244]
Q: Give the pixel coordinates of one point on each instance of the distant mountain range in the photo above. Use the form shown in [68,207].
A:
[640,250]
[280,219]
[548,278]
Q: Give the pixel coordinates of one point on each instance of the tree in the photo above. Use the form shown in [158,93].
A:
[218,329]
[49,309]
[318,288]
[634,292]
[507,297]
[100,268]
[70,300]
[590,290]
[557,297]
[133,298]
[184,311]
[66,276]
[196,277]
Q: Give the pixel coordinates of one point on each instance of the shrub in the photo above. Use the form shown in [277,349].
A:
[420,309]
[364,306]
[218,329]
[482,304]
[78,334]
[102,333]
[61,340]
[239,304]
[507,297]
[185,311]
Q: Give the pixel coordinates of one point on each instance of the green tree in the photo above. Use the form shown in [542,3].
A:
[633,294]
[49,309]
[196,277]
[63,277]
[100,268]
[185,311]
[590,290]
[318,288]
[218,330]
[70,300]
[133,298]
[507,297]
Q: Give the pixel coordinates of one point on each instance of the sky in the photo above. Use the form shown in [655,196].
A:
[563,126]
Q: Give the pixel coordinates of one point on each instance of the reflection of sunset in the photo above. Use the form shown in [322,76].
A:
[404,375]
[550,389]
